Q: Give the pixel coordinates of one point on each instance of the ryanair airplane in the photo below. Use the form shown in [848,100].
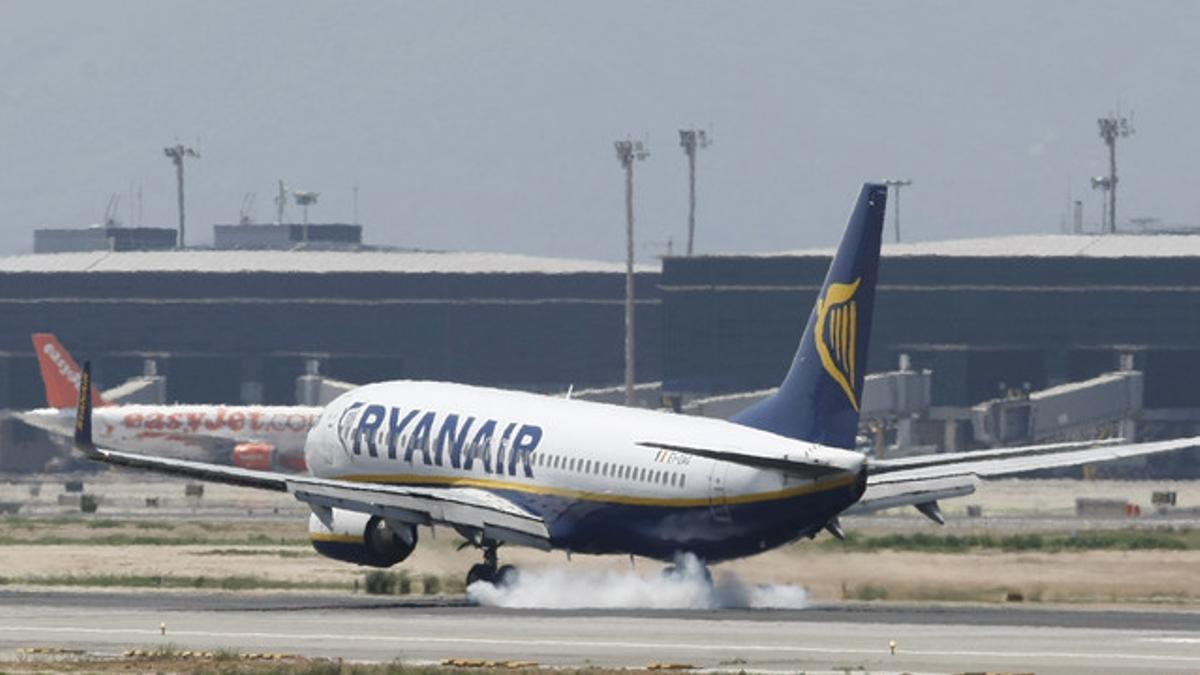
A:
[507,467]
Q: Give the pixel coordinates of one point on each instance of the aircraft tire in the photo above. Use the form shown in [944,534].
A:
[674,573]
[507,575]
[481,572]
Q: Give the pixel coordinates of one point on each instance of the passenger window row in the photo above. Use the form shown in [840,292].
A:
[609,469]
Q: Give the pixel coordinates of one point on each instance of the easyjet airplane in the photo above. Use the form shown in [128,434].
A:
[252,437]
[506,467]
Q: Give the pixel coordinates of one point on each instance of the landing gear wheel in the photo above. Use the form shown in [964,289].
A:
[481,572]
[486,570]
[677,573]
[507,575]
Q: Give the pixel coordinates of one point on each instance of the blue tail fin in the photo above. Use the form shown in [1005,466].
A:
[819,399]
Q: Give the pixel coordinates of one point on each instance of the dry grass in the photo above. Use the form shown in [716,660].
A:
[175,660]
[906,561]
[67,530]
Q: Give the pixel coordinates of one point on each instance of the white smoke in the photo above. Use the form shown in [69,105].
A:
[688,588]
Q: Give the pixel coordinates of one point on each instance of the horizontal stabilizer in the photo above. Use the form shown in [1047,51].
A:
[879,466]
[806,465]
[922,480]
[1013,461]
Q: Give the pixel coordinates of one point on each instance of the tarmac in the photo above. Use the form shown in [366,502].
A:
[823,638]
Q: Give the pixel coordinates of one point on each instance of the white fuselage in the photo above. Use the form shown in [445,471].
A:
[577,464]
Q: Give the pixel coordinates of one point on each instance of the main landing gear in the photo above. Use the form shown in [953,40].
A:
[687,571]
[490,571]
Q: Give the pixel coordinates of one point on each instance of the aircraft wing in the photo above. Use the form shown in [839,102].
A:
[492,516]
[920,481]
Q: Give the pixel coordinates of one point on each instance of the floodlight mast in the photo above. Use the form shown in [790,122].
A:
[304,200]
[691,140]
[895,184]
[1112,128]
[629,151]
[1105,185]
[176,154]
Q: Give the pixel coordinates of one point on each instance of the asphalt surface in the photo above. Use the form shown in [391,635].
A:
[932,639]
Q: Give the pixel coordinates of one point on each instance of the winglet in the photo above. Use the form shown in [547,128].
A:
[83,414]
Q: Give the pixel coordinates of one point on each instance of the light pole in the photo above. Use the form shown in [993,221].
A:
[1112,128]
[305,199]
[176,153]
[627,152]
[690,140]
[896,184]
[1105,185]
[280,202]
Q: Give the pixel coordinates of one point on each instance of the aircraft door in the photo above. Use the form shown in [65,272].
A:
[718,500]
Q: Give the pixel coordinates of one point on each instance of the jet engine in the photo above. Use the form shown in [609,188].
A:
[362,539]
[258,456]
[266,457]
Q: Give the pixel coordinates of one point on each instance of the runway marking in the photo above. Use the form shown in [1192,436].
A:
[600,644]
[1173,640]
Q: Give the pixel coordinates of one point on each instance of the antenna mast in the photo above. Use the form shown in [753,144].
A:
[280,202]
[110,211]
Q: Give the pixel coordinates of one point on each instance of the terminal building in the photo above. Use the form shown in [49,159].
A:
[992,338]
[249,236]
[985,315]
[241,326]
[990,318]
[103,238]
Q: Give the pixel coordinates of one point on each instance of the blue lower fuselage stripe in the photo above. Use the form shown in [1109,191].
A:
[714,533]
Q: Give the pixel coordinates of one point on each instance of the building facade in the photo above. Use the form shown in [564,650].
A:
[229,326]
[986,316]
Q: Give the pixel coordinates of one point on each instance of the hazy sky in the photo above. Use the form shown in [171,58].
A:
[489,125]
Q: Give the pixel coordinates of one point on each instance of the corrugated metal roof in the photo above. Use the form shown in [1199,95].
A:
[1044,246]
[410,262]
[313,262]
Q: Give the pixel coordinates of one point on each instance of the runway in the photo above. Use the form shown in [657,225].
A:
[823,638]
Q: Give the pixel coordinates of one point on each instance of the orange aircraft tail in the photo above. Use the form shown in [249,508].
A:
[60,373]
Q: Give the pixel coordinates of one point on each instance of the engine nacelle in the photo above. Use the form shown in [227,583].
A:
[290,461]
[362,539]
[258,456]
[266,457]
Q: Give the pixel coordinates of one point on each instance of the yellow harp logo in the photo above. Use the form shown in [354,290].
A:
[837,335]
